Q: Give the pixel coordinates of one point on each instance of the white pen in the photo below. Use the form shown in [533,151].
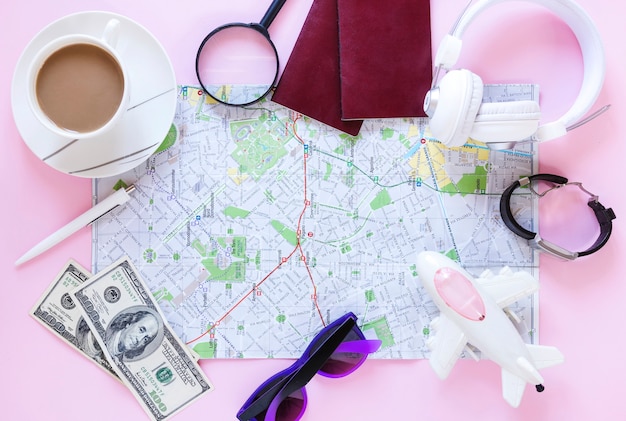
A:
[118,198]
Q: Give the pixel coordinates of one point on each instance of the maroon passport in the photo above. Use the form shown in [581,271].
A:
[310,82]
[385,57]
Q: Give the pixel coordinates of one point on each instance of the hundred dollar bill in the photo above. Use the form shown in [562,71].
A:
[57,311]
[142,348]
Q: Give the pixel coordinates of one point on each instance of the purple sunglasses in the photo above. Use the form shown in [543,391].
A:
[336,351]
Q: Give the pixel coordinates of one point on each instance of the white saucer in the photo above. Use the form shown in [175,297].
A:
[142,129]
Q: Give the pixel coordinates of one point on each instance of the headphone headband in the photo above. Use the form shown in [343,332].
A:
[587,36]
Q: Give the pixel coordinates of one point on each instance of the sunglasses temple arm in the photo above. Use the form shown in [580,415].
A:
[311,366]
[263,401]
[364,346]
[301,376]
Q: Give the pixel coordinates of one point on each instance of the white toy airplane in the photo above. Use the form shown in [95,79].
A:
[472,312]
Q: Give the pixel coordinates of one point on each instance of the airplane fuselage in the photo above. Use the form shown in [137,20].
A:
[486,326]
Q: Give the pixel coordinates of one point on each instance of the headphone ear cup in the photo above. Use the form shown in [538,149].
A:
[506,121]
[459,96]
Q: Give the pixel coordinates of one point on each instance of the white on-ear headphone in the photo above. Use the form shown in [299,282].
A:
[455,106]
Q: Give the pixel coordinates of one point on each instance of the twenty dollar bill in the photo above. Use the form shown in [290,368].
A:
[140,345]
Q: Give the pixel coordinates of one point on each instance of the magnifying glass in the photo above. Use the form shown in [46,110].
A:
[237,63]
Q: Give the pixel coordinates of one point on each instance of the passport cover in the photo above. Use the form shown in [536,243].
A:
[385,57]
[310,83]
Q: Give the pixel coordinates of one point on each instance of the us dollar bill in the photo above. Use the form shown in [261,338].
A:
[142,348]
[57,311]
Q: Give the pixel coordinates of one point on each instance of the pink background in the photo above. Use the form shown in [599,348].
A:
[581,301]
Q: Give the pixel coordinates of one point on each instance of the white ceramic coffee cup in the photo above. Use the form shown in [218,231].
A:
[106,42]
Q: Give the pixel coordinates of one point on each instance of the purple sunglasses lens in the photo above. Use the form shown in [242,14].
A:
[289,409]
[348,357]
[343,362]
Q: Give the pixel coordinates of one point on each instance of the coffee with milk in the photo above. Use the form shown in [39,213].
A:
[80,87]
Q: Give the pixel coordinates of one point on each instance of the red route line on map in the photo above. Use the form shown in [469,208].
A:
[284,259]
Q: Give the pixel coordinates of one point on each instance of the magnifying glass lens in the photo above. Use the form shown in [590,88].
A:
[237,65]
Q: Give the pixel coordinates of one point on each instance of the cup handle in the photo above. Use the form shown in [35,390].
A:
[111,32]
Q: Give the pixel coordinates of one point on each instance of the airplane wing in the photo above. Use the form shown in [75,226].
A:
[512,388]
[446,346]
[507,286]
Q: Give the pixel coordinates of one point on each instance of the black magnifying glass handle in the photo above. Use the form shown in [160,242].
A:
[271,13]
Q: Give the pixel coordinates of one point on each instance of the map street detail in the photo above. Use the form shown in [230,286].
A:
[253,227]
